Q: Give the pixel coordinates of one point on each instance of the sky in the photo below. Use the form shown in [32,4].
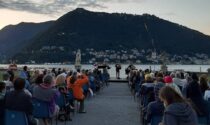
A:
[194,14]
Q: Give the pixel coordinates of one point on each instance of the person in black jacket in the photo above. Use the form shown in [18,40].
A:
[194,95]
[155,108]
[18,100]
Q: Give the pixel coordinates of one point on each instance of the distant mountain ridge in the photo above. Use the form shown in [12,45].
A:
[82,29]
[13,38]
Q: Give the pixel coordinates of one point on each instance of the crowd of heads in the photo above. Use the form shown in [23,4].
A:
[52,80]
[166,89]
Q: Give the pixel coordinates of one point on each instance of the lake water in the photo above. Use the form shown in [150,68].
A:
[191,68]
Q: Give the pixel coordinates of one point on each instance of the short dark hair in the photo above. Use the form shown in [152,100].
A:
[73,79]
[195,77]
[19,83]
[25,68]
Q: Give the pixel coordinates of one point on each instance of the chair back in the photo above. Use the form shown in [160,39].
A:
[156,120]
[85,87]
[70,96]
[15,118]
[61,100]
[205,120]
[41,108]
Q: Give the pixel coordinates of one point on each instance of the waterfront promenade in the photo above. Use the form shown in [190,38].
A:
[114,105]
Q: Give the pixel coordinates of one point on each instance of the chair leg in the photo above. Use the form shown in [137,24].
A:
[45,121]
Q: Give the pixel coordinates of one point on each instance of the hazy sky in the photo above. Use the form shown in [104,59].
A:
[194,14]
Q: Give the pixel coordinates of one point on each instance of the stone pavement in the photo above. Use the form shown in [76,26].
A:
[114,105]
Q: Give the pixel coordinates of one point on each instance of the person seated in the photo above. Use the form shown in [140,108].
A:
[38,81]
[92,81]
[47,92]
[177,110]
[158,85]
[6,80]
[178,81]
[187,79]
[147,90]
[155,108]
[207,95]
[195,97]
[20,101]
[148,83]
[203,83]
[2,95]
[76,85]
[60,81]
[169,82]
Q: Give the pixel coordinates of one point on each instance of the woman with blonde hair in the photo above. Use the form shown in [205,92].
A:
[60,80]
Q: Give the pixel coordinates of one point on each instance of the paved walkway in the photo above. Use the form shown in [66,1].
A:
[113,106]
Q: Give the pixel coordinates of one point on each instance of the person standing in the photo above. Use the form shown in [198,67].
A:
[118,68]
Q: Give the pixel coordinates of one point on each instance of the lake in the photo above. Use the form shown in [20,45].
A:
[190,68]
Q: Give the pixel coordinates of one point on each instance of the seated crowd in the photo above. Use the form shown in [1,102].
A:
[176,98]
[51,87]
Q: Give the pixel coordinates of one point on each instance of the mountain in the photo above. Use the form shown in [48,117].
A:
[82,29]
[15,37]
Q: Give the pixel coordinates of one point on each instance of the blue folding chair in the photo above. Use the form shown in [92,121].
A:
[15,118]
[70,96]
[41,109]
[156,120]
[205,120]
[202,120]
[61,101]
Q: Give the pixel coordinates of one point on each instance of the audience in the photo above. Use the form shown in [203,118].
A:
[34,76]
[19,100]
[60,80]
[177,98]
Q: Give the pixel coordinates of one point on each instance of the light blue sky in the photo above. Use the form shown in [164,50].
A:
[194,14]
